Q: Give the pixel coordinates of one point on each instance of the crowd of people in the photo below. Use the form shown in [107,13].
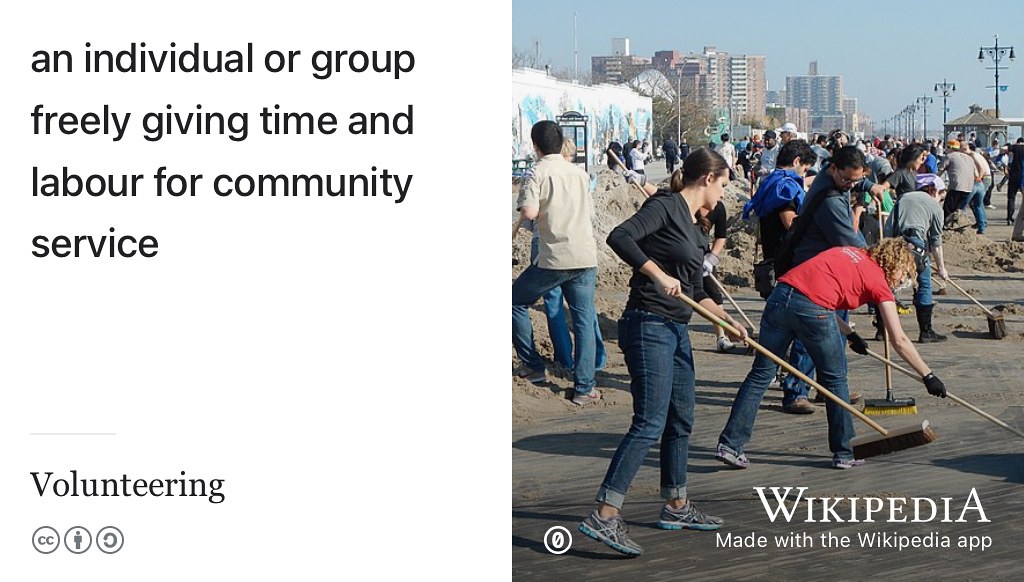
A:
[840,223]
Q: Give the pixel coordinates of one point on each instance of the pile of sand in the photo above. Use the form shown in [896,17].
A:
[965,251]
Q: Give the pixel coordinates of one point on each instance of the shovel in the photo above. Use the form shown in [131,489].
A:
[611,153]
[996,323]
[753,328]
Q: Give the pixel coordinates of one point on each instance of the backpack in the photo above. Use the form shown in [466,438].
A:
[784,257]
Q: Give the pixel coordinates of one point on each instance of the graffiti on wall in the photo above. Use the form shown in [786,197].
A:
[613,113]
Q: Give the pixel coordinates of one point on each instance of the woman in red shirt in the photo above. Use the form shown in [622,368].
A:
[803,306]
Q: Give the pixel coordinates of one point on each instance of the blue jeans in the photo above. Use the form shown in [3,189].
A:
[794,388]
[790,314]
[578,287]
[660,364]
[923,293]
[558,328]
[976,200]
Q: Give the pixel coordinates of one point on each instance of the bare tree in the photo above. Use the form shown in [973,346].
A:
[531,58]
[688,116]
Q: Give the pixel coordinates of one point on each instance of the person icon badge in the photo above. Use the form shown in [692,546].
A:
[77,540]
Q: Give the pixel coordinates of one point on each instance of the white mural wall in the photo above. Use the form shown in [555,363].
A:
[614,113]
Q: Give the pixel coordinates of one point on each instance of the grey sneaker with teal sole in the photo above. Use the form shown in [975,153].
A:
[688,517]
[612,532]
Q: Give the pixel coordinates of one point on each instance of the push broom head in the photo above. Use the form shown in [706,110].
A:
[882,406]
[996,326]
[898,439]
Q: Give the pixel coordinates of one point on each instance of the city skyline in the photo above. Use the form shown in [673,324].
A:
[879,67]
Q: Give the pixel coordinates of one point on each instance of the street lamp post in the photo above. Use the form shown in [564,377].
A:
[947,90]
[679,108]
[924,100]
[910,109]
[996,53]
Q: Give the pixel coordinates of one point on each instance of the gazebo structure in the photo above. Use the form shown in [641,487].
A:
[984,126]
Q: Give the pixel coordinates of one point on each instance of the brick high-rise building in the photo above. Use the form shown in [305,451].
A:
[620,67]
[736,83]
[748,86]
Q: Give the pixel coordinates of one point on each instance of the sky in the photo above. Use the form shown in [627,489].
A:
[888,53]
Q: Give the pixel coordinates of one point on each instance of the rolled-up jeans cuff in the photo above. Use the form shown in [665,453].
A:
[670,493]
[613,498]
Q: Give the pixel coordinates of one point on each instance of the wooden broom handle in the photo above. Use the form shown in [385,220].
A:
[785,365]
[888,369]
[734,304]
[611,153]
[878,314]
[953,397]
[968,295]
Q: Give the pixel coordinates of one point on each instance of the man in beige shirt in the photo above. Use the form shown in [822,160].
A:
[556,195]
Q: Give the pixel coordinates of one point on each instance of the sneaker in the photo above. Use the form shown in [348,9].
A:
[991,207]
[724,344]
[535,376]
[729,457]
[798,406]
[584,399]
[612,532]
[688,517]
[846,463]
[855,397]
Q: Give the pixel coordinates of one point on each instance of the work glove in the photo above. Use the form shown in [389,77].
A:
[710,262]
[635,178]
[857,343]
[935,386]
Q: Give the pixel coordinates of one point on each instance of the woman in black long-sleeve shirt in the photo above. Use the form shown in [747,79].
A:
[663,243]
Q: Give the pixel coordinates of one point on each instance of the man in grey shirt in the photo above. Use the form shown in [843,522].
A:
[960,168]
[819,150]
[917,217]
[769,154]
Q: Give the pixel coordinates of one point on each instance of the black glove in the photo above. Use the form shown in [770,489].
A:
[935,386]
[857,343]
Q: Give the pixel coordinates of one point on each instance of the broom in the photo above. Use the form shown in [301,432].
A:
[890,441]
[890,404]
[611,153]
[952,397]
[753,328]
[996,323]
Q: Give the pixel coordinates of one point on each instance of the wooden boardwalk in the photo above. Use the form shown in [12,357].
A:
[558,464]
